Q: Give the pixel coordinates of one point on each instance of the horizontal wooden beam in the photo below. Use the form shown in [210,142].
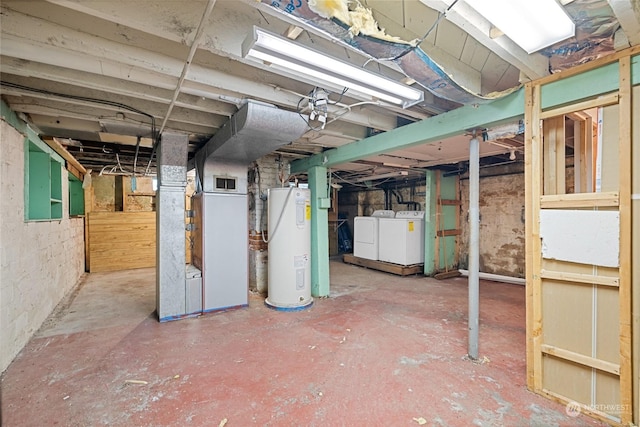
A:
[580,200]
[58,148]
[585,279]
[447,233]
[581,359]
[601,101]
[449,202]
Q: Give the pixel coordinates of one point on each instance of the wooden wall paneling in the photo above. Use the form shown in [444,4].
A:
[122,240]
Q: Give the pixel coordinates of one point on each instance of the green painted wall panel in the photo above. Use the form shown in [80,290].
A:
[581,86]
[76,196]
[448,222]
[430,208]
[39,202]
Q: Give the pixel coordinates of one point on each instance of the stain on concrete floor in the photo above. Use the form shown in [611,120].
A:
[382,350]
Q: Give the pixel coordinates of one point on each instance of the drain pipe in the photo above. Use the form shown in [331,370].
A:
[474,246]
[496,278]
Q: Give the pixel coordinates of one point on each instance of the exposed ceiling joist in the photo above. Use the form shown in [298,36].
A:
[464,16]
[73,49]
[628,14]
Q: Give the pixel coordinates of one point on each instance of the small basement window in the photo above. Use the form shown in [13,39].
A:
[43,182]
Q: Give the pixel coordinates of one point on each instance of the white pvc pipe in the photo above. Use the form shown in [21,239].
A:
[497,278]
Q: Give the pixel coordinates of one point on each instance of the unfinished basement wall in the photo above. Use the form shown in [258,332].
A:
[353,203]
[502,234]
[40,261]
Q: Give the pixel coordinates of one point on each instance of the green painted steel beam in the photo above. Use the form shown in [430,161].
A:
[585,85]
[320,204]
[433,129]
[581,86]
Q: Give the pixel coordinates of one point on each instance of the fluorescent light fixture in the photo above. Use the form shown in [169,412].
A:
[531,24]
[305,64]
[382,175]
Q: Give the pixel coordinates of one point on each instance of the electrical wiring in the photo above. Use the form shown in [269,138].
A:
[441,16]
[345,110]
[357,184]
[96,101]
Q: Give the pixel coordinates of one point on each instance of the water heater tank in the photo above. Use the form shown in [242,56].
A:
[289,286]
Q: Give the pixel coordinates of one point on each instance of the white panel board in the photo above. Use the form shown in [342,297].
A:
[584,237]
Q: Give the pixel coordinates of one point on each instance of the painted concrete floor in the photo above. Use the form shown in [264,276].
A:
[381,351]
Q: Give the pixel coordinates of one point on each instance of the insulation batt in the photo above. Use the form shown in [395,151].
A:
[360,20]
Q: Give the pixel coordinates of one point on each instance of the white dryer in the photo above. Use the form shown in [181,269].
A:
[401,239]
[365,234]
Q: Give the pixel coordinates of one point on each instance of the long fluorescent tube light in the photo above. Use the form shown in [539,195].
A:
[382,175]
[531,24]
[315,67]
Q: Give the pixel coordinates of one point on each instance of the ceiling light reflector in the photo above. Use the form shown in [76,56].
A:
[317,68]
[531,24]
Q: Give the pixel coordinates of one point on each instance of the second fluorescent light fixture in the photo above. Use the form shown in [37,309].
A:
[317,68]
[531,24]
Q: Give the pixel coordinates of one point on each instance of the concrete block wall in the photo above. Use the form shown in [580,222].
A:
[40,261]
[263,174]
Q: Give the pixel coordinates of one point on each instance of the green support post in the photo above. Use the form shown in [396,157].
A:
[448,222]
[430,207]
[320,204]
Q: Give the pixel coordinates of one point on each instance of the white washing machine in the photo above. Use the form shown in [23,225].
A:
[365,234]
[401,239]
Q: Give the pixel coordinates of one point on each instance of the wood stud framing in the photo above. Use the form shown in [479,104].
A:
[546,188]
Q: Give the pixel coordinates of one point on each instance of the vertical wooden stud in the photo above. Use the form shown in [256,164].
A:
[626,370]
[533,189]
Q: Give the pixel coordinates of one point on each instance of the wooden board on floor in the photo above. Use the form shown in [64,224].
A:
[387,267]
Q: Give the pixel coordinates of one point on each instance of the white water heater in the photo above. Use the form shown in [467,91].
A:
[289,286]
